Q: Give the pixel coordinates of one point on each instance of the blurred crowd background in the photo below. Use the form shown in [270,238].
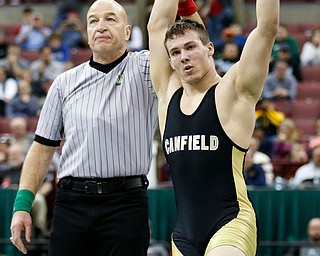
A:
[41,39]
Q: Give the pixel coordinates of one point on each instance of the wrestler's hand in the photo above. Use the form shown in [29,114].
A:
[21,221]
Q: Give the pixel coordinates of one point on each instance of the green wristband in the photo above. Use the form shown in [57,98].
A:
[24,200]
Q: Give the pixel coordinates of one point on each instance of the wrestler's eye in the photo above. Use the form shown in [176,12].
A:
[190,47]
[175,53]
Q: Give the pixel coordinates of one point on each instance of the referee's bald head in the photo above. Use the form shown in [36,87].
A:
[109,5]
[108,30]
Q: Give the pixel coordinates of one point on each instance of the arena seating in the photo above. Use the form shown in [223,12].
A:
[309,90]
[305,108]
[311,73]
[80,55]
[5,124]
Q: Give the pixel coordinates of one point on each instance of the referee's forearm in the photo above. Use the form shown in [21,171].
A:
[35,167]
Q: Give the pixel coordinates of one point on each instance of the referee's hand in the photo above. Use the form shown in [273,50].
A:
[21,221]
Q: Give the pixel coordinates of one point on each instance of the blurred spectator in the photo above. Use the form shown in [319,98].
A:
[15,161]
[279,84]
[73,31]
[69,65]
[19,131]
[262,159]
[26,19]
[5,141]
[227,36]
[39,210]
[217,14]
[314,142]
[229,56]
[14,63]
[24,104]
[284,53]
[45,68]
[287,145]
[3,45]
[36,86]
[307,246]
[254,174]
[318,127]
[283,36]
[8,89]
[11,178]
[238,37]
[32,37]
[63,8]
[298,153]
[231,34]
[309,173]
[268,121]
[310,54]
[135,42]
[60,51]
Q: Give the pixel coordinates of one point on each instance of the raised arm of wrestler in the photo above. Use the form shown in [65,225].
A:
[241,87]
[33,173]
[165,80]
[238,90]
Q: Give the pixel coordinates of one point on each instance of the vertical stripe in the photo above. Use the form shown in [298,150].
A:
[108,127]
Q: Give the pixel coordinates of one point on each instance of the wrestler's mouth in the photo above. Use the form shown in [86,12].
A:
[188,68]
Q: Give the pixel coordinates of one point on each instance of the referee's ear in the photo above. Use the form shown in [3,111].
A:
[128,29]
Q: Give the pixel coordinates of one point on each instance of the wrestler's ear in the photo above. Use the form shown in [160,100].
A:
[210,48]
[171,64]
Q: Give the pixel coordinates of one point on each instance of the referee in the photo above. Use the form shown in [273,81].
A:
[106,112]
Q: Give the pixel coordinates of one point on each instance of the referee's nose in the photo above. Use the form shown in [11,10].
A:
[101,26]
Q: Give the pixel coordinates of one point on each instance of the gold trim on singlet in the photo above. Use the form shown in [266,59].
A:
[241,232]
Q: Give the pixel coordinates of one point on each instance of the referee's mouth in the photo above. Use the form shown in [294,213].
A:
[102,38]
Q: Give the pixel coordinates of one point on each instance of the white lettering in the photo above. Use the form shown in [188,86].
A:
[203,143]
[166,146]
[177,143]
[171,145]
[184,140]
[196,142]
[191,142]
[214,142]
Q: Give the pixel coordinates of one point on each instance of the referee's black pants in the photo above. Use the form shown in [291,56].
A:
[114,224]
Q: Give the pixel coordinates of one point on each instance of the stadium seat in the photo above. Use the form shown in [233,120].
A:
[307,126]
[32,123]
[285,168]
[4,125]
[310,73]
[307,108]
[80,55]
[308,90]
[283,106]
[298,27]
[301,38]
[30,55]
[8,29]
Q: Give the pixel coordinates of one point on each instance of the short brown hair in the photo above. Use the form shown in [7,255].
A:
[180,27]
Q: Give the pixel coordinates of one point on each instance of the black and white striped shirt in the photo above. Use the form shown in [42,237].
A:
[108,119]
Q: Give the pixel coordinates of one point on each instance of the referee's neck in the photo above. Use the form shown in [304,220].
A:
[106,68]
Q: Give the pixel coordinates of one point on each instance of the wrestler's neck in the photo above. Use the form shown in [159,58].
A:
[201,85]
